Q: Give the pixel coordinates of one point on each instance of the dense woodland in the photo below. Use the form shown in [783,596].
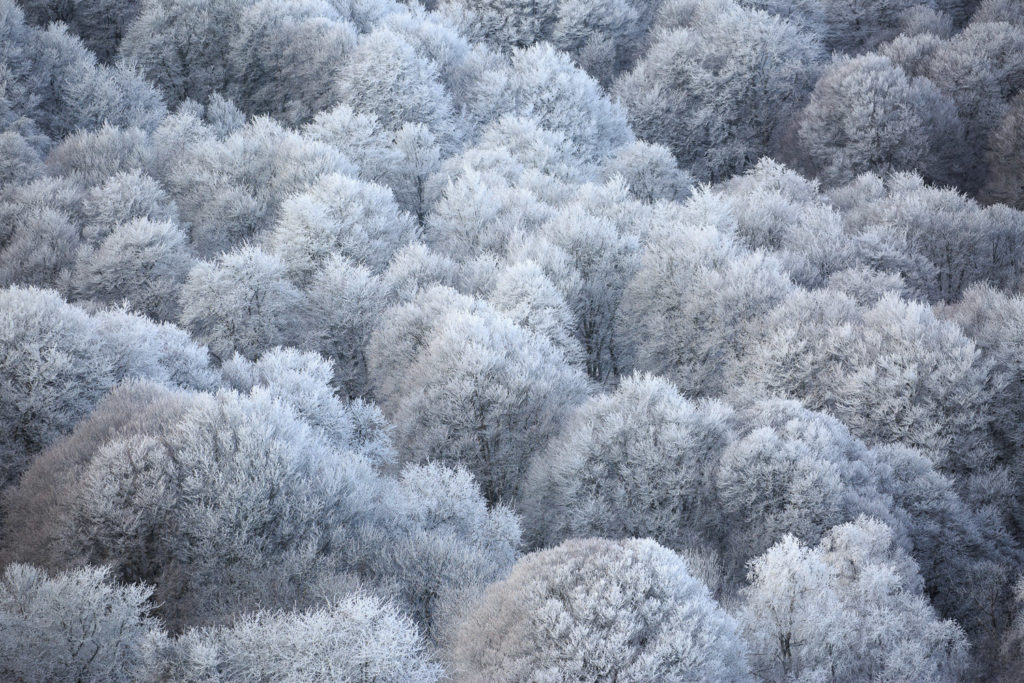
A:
[512,340]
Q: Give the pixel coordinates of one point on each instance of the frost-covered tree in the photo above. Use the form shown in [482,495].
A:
[438,37]
[58,361]
[230,190]
[183,45]
[415,268]
[360,137]
[37,244]
[20,160]
[998,10]
[338,216]
[1013,643]
[938,239]
[639,462]
[979,69]
[792,471]
[91,157]
[286,56]
[267,499]
[855,26]
[101,24]
[507,24]
[924,20]
[52,80]
[255,498]
[718,90]
[779,211]
[87,95]
[525,295]
[123,197]
[486,394]
[1005,159]
[402,333]
[590,249]
[650,172]
[342,305]
[441,546]
[994,321]
[418,158]
[999,43]
[849,609]
[599,610]
[604,37]
[76,626]
[645,461]
[808,15]
[241,302]
[866,114]
[221,115]
[142,262]
[403,160]
[303,381]
[546,86]
[1002,246]
[912,53]
[523,149]
[64,194]
[893,373]
[32,508]
[138,347]
[52,371]
[880,247]
[355,637]
[387,78]
[480,212]
[866,285]
[695,304]
[966,556]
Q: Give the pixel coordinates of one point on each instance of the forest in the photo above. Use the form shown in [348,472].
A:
[512,340]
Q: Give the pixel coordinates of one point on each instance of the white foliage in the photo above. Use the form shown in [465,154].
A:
[357,637]
[594,609]
[76,626]
[850,608]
